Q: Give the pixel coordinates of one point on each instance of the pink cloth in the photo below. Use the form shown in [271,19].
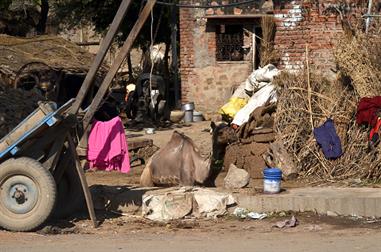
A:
[107,146]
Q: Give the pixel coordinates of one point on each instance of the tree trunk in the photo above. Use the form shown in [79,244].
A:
[41,26]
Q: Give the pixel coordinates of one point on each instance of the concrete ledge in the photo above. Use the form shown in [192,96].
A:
[364,202]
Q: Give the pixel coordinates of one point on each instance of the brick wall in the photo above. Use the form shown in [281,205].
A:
[209,83]
[187,24]
[315,23]
[204,80]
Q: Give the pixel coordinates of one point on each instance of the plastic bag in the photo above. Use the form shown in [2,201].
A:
[234,105]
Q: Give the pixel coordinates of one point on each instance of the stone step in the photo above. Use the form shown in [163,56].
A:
[364,202]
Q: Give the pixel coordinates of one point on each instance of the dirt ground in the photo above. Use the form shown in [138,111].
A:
[126,233]
[133,233]
[199,132]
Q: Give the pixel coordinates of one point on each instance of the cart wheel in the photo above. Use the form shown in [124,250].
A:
[27,194]
[70,197]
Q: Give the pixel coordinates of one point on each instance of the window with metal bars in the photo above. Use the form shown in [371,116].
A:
[229,42]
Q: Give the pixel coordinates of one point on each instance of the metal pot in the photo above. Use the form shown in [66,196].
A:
[187,106]
[197,116]
[188,117]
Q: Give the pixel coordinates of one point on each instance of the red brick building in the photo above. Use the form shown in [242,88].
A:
[219,46]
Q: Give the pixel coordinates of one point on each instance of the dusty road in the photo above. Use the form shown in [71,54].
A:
[168,243]
[225,235]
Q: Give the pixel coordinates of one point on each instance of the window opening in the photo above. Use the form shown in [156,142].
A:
[229,42]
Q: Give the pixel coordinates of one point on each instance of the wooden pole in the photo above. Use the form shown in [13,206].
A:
[367,22]
[105,45]
[309,88]
[82,177]
[118,62]
[253,48]
[175,66]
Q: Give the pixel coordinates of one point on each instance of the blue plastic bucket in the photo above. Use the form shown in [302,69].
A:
[271,180]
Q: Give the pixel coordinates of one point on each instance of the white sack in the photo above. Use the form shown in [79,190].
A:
[266,94]
[212,204]
[261,77]
[168,206]
[177,203]
[240,91]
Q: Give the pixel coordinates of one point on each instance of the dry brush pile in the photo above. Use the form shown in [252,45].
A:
[15,106]
[357,59]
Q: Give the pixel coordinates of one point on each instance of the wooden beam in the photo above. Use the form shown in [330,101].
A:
[118,62]
[105,45]
[33,148]
[54,153]
[88,43]
[175,66]
[63,163]
[82,177]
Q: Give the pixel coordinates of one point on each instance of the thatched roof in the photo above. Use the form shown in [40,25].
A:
[55,53]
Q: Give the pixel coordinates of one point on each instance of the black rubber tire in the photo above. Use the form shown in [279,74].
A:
[70,197]
[26,169]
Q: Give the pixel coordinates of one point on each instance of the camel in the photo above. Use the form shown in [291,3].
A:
[179,162]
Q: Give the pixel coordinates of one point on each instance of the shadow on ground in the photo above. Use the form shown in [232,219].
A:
[110,202]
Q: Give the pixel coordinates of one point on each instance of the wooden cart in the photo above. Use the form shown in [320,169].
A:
[37,161]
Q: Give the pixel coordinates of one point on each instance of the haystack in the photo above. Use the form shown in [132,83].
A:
[333,100]
[358,57]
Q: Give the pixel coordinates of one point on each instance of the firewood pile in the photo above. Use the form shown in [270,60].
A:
[294,125]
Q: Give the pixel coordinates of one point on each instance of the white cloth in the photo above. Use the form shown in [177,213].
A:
[267,94]
[260,78]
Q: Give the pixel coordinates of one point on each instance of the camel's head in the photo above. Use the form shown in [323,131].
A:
[223,134]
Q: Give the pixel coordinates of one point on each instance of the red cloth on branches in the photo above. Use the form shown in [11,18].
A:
[367,110]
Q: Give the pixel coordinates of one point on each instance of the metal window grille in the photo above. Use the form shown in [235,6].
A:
[229,42]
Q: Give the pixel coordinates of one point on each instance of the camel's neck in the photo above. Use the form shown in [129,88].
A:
[218,151]
[216,163]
